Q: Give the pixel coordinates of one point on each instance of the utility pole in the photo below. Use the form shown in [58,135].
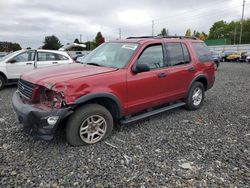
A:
[88,44]
[153,24]
[120,33]
[242,18]
[234,33]
[80,37]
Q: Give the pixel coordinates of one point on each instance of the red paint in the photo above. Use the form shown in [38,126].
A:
[136,92]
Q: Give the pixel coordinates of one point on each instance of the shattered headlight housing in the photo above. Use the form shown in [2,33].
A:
[51,98]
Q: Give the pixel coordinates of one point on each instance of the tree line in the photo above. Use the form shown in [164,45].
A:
[9,46]
[188,33]
[219,30]
[231,31]
[53,43]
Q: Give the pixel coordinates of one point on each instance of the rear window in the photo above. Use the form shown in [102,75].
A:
[202,52]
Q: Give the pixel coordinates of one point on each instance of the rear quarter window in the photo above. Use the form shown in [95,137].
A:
[202,52]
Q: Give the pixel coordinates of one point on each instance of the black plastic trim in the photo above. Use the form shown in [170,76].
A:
[195,79]
[151,113]
[4,77]
[89,97]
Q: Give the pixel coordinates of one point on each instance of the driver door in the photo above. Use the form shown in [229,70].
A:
[147,89]
[20,64]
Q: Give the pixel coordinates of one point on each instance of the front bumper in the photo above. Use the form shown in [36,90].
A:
[33,118]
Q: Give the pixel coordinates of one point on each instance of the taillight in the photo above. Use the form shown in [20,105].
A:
[215,66]
[71,61]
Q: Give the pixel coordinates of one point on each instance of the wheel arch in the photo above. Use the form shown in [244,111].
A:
[108,100]
[200,78]
[4,76]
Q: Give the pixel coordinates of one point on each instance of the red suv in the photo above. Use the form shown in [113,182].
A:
[120,81]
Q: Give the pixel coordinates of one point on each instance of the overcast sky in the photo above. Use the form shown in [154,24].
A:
[28,21]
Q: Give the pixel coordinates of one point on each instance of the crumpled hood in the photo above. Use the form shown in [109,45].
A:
[51,75]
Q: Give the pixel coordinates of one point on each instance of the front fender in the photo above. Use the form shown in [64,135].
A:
[88,97]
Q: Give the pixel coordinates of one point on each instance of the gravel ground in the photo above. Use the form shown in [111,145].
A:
[204,148]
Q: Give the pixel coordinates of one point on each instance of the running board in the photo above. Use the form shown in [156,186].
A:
[151,113]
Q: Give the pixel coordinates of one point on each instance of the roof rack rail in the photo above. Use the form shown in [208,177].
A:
[140,37]
[162,36]
[178,37]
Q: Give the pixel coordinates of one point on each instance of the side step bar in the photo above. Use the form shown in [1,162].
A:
[151,113]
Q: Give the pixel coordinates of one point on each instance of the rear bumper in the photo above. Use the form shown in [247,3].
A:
[211,83]
[33,119]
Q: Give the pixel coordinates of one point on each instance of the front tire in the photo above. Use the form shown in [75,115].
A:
[195,96]
[89,124]
[2,82]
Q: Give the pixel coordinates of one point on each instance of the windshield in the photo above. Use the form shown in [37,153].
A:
[113,54]
[10,55]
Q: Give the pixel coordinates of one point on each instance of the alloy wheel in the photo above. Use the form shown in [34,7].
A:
[93,129]
[197,96]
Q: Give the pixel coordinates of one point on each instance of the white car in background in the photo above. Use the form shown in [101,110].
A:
[248,59]
[16,63]
[2,54]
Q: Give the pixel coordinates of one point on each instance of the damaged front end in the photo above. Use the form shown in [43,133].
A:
[50,98]
[39,109]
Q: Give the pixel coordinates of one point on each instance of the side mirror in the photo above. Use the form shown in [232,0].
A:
[140,67]
[11,61]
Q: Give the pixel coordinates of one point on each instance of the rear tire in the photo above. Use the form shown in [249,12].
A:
[2,82]
[217,64]
[89,124]
[195,96]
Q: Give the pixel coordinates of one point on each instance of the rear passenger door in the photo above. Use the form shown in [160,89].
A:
[180,70]
[45,59]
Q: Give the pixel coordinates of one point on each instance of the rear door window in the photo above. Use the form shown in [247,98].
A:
[202,52]
[177,54]
[47,56]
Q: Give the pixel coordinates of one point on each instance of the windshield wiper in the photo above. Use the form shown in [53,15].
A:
[95,64]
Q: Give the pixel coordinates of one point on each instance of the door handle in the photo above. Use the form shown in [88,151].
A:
[29,63]
[54,62]
[191,69]
[162,75]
